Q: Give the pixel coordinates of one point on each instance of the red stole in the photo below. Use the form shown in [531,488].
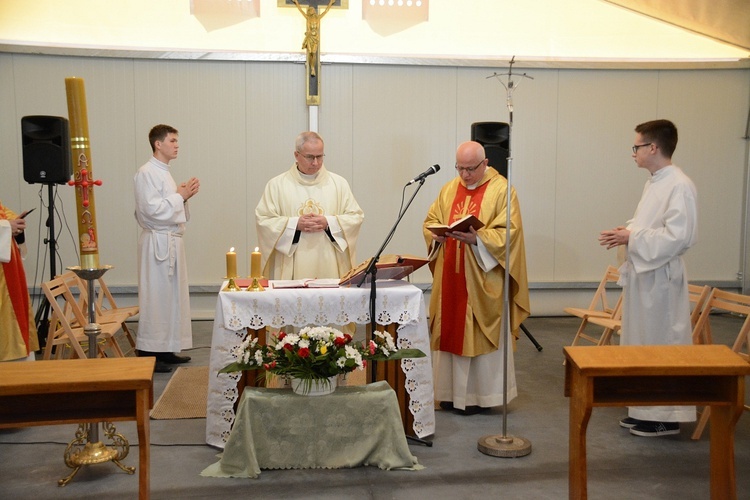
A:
[453,301]
[15,279]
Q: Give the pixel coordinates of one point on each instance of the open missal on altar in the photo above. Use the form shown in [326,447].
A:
[306,283]
[389,266]
[461,225]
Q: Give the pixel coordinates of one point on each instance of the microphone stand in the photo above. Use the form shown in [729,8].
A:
[504,445]
[372,270]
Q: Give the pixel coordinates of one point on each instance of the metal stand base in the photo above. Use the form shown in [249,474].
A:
[504,446]
[78,454]
[419,440]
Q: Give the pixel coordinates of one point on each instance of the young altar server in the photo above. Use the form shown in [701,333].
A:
[161,209]
[656,307]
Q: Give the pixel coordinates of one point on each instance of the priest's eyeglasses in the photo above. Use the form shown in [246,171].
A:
[312,158]
[468,170]
[636,146]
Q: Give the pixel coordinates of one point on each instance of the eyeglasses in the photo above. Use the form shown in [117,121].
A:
[468,170]
[312,158]
[636,146]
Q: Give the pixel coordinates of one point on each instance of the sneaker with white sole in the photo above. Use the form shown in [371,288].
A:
[630,422]
[654,429]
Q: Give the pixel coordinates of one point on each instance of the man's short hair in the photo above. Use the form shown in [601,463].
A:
[663,133]
[159,133]
[304,137]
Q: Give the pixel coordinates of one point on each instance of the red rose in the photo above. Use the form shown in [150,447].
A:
[304,352]
[288,347]
[340,341]
[281,335]
[372,348]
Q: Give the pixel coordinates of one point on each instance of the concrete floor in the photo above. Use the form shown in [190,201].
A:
[620,466]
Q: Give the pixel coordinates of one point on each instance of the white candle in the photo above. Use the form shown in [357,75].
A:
[231,263]
[255,264]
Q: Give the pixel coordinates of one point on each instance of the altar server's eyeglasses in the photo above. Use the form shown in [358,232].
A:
[636,146]
[468,170]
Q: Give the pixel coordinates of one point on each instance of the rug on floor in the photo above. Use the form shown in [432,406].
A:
[184,396]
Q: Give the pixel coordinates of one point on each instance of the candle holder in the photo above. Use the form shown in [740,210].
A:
[231,286]
[255,286]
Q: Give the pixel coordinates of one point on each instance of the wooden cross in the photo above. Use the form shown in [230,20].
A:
[311,44]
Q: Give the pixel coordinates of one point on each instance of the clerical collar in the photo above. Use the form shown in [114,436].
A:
[159,163]
[308,177]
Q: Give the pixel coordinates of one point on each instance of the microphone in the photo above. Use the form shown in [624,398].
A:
[424,174]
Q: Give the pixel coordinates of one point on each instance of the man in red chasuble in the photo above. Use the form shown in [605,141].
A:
[18,338]
[468,271]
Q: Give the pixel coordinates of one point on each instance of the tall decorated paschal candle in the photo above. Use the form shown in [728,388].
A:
[231,263]
[83,177]
[255,264]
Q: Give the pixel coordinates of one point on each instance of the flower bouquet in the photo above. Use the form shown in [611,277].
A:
[315,355]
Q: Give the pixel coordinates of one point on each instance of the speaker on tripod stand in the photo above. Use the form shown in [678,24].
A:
[46,160]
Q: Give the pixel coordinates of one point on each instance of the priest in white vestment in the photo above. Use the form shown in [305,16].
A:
[308,220]
[656,307]
[161,209]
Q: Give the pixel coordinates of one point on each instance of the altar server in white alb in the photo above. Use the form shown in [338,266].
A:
[308,220]
[161,209]
[656,307]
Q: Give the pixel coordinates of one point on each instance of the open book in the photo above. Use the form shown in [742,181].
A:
[306,283]
[390,266]
[461,225]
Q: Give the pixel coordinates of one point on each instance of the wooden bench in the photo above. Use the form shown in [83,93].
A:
[81,391]
[710,375]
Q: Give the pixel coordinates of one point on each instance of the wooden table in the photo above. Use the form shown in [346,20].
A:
[81,391]
[648,375]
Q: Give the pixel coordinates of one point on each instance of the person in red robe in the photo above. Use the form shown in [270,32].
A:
[18,336]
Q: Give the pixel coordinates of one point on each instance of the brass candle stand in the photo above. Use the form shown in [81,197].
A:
[231,286]
[255,286]
[86,449]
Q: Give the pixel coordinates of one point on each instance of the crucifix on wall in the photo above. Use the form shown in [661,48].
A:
[311,44]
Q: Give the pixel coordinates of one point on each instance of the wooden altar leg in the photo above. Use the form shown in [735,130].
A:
[249,378]
[391,372]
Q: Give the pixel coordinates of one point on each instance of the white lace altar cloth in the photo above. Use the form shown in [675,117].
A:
[396,302]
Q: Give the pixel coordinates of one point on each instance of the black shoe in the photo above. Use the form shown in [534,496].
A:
[446,405]
[653,429]
[171,358]
[629,422]
[472,410]
[162,367]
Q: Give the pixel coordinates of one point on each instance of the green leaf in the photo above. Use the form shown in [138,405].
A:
[399,354]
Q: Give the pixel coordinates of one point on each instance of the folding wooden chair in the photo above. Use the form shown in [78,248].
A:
[598,308]
[698,297]
[66,324]
[734,303]
[105,308]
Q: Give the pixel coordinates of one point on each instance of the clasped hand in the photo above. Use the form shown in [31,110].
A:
[189,189]
[614,237]
[311,223]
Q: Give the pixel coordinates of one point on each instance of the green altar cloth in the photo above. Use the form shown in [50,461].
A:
[278,429]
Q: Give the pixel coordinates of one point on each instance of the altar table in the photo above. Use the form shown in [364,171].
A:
[81,391]
[278,429]
[397,302]
[649,375]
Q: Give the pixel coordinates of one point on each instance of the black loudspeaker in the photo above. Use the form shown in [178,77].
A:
[495,137]
[46,150]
